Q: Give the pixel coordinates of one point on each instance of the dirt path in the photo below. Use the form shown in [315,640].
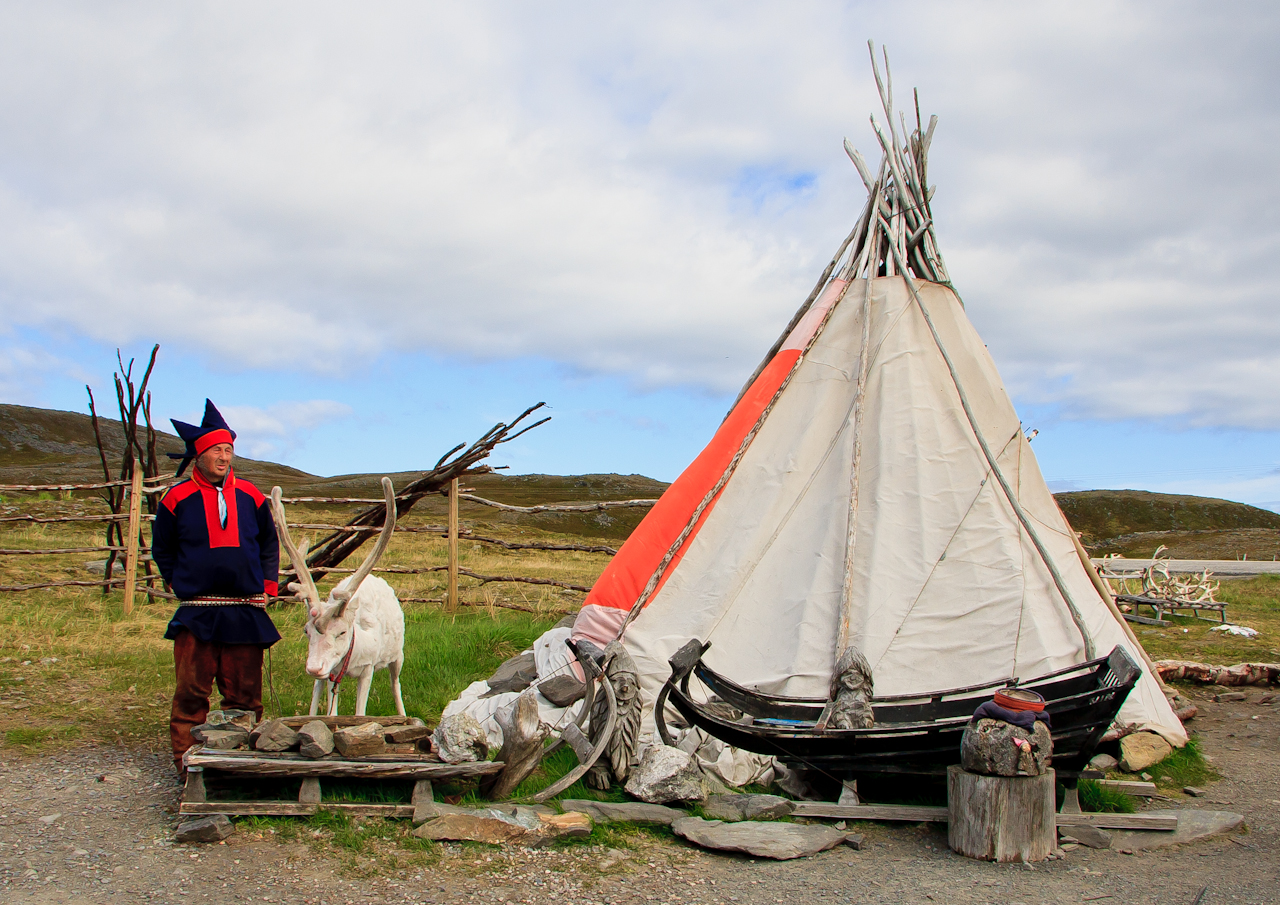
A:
[93,825]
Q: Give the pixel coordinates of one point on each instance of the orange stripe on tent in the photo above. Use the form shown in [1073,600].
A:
[626,575]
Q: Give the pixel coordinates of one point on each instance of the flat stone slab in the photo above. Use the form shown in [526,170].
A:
[1193,826]
[522,826]
[781,841]
[735,807]
[624,811]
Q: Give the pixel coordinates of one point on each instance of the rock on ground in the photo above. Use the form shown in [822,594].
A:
[781,841]
[315,739]
[1103,763]
[359,741]
[460,739]
[520,825]
[734,807]
[664,775]
[273,735]
[213,828]
[624,811]
[1085,835]
[1141,750]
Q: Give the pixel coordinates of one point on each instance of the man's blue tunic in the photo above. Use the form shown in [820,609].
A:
[201,558]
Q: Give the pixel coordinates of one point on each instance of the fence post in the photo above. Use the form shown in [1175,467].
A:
[131,545]
[451,601]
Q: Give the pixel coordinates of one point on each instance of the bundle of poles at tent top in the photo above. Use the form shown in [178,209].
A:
[894,236]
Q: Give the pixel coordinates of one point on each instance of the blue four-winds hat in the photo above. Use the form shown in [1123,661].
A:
[213,430]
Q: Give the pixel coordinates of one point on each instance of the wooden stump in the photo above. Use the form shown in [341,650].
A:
[1001,818]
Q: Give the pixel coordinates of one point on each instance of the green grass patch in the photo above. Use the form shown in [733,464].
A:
[1186,766]
[1101,799]
[27,737]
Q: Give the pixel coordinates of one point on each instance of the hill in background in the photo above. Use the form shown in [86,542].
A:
[43,446]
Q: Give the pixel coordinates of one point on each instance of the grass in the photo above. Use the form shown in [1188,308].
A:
[1254,602]
[1186,766]
[72,665]
[1104,800]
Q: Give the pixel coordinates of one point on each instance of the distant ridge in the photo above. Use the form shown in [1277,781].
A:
[46,446]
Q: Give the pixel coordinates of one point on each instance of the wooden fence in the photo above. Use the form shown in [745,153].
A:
[134,553]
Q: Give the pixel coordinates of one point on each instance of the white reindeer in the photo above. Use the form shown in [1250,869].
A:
[359,629]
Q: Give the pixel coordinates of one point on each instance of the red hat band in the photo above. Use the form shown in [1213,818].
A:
[213,438]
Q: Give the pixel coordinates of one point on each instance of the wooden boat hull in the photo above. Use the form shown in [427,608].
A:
[913,733]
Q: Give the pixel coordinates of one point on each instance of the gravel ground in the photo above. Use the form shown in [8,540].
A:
[94,825]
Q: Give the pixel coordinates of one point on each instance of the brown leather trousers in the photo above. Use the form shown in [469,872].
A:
[238,671]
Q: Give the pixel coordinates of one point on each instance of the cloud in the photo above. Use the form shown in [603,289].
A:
[645,190]
[24,370]
[280,430]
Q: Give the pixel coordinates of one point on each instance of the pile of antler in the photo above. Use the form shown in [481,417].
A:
[1158,583]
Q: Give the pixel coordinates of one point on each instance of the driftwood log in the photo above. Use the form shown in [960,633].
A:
[522,745]
[1240,674]
[1001,818]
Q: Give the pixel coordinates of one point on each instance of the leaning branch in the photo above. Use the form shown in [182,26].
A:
[335,548]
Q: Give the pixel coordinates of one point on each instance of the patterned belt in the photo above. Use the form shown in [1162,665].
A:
[259,602]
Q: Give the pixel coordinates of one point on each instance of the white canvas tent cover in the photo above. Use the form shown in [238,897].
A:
[872,486]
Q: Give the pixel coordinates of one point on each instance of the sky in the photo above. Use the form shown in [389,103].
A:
[370,232]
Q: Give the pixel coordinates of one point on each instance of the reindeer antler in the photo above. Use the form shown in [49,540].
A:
[298,556]
[388,526]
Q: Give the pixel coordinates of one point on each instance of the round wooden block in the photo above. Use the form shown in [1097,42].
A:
[1001,818]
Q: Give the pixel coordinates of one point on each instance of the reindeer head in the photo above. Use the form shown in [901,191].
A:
[331,624]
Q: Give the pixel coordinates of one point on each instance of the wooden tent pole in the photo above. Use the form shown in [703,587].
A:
[1104,591]
[131,548]
[451,605]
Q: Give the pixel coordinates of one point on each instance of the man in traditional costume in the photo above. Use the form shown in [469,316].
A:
[215,543]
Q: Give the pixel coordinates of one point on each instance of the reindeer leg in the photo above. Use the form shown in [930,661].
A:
[363,684]
[393,670]
[315,698]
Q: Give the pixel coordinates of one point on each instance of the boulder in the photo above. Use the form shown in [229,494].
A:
[732,807]
[1141,750]
[459,739]
[315,739]
[991,748]
[213,828]
[273,735]
[664,775]
[781,841]
[221,739]
[623,811]
[360,741]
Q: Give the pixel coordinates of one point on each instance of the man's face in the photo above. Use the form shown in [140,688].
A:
[215,462]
